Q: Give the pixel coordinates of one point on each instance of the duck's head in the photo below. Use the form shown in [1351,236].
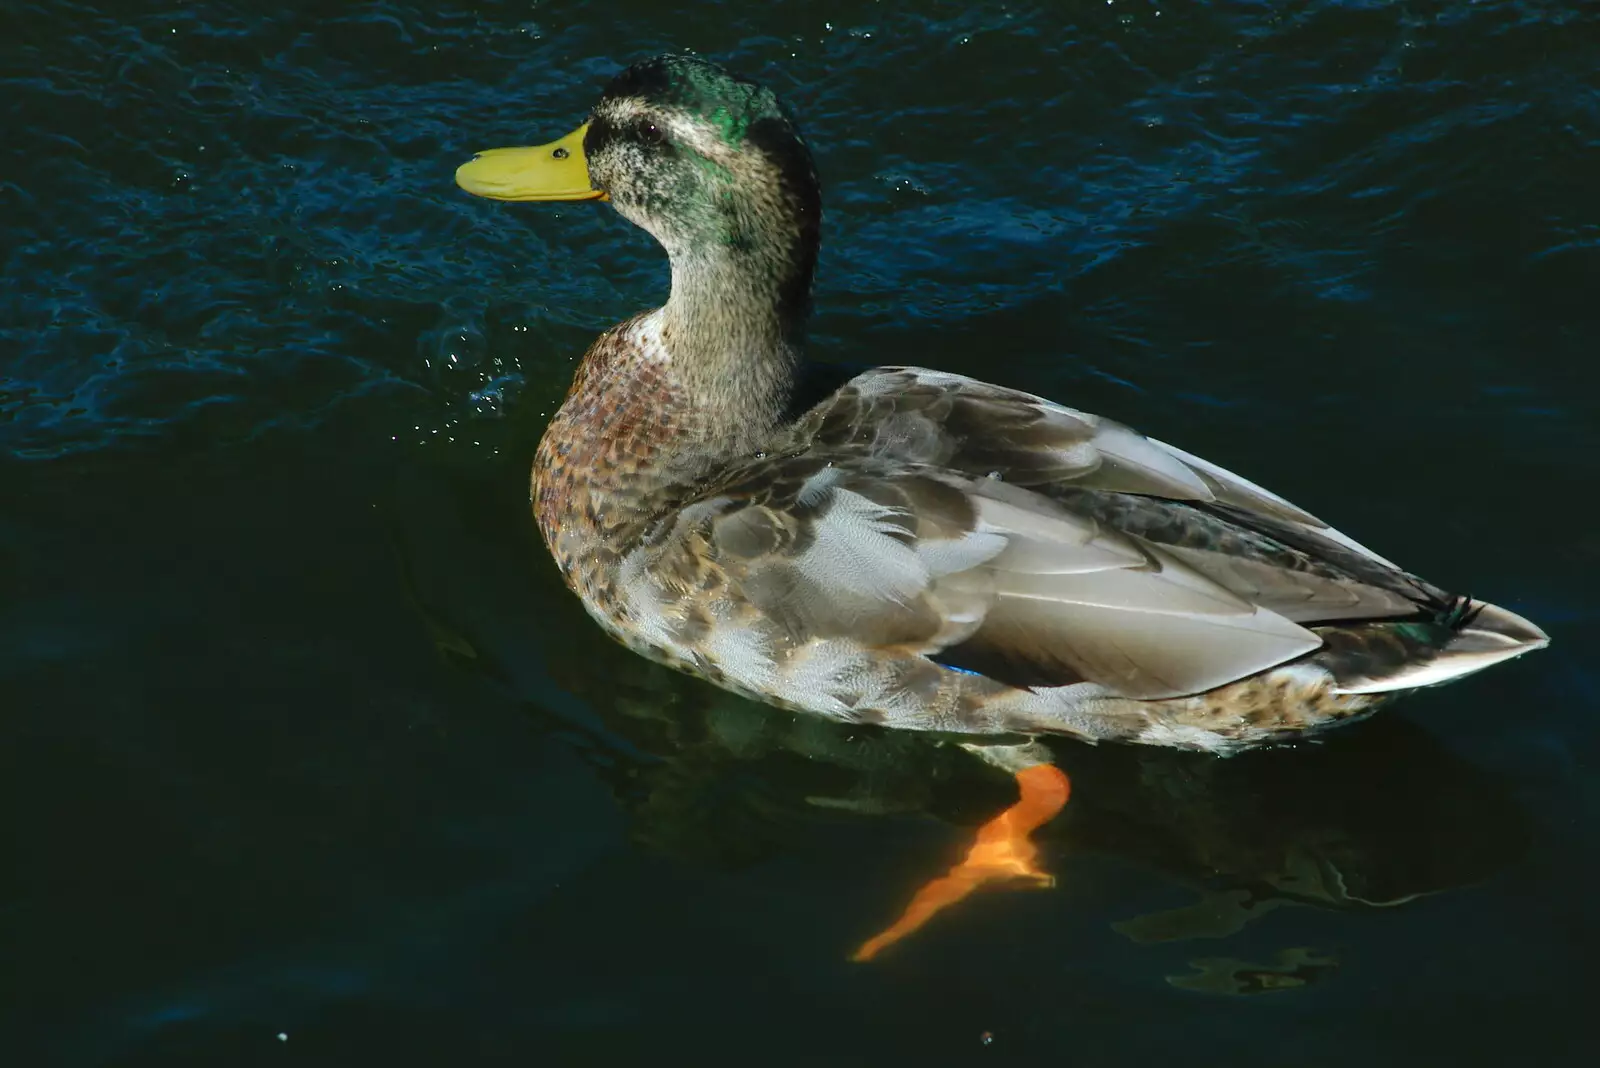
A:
[709,163]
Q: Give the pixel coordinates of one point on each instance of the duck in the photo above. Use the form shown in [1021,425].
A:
[912,548]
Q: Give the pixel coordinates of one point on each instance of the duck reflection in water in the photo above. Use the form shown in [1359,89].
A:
[1373,818]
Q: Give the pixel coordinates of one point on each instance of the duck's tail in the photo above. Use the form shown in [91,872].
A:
[1469,636]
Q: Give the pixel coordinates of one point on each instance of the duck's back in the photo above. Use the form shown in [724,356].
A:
[928,551]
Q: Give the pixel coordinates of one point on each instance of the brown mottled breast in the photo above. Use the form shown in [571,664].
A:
[627,451]
[601,476]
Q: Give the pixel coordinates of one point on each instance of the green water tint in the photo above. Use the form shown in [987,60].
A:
[1292,969]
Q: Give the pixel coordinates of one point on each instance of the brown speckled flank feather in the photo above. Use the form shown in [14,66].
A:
[922,550]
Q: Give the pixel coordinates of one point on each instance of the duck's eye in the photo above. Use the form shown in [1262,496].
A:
[653,140]
[560,153]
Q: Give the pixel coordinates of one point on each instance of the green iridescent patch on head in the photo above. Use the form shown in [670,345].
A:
[688,83]
[712,165]
[731,126]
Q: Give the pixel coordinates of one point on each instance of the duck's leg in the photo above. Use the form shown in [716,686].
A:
[1002,850]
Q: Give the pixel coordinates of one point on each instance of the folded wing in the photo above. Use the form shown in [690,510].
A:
[996,532]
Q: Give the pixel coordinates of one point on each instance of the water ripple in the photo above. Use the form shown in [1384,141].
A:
[212,210]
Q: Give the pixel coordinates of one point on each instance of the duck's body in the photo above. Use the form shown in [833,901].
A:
[920,550]
[928,552]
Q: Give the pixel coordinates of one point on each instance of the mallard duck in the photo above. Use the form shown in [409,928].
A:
[918,549]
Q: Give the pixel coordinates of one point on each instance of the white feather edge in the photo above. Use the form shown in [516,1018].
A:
[1222,474]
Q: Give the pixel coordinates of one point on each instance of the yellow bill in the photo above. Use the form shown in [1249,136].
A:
[557,171]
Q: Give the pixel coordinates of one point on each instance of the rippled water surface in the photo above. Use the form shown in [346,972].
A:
[307,758]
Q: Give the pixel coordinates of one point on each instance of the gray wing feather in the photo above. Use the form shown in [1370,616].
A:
[947,516]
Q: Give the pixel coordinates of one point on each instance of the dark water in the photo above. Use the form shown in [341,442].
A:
[300,736]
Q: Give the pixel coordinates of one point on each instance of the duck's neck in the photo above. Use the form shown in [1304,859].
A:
[665,398]
[734,328]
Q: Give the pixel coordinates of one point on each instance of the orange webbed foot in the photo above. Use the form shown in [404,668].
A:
[1003,851]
